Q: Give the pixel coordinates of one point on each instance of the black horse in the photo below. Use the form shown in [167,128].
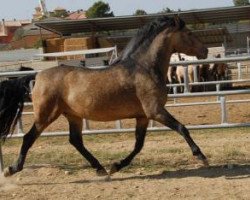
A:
[22,68]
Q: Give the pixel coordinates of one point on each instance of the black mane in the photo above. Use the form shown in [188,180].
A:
[145,36]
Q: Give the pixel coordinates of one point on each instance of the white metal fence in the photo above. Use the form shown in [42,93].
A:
[19,55]
[220,94]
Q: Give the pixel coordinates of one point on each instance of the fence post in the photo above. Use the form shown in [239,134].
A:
[239,70]
[248,44]
[175,92]
[217,90]
[20,126]
[1,158]
[195,69]
[152,123]
[186,80]
[86,124]
[118,124]
[223,110]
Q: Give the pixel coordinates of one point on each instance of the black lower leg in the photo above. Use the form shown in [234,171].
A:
[168,120]
[194,147]
[76,140]
[28,141]
[141,129]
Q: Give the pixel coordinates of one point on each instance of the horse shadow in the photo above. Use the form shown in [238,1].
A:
[230,172]
[233,172]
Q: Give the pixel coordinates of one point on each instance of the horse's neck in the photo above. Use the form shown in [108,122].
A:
[157,56]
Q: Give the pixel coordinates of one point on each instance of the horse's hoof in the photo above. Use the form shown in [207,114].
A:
[101,172]
[201,156]
[205,163]
[113,169]
[203,160]
[7,172]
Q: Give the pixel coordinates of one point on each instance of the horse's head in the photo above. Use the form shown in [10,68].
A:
[220,71]
[184,41]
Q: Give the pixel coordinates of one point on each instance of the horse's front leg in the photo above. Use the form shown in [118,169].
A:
[163,116]
[140,133]
[75,138]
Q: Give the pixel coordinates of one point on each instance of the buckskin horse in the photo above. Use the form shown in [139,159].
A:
[134,86]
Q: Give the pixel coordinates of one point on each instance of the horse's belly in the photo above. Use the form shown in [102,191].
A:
[106,108]
[112,113]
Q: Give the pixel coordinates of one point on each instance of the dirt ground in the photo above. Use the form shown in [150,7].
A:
[165,169]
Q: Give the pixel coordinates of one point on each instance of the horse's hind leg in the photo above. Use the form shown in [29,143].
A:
[164,117]
[43,117]
[140,133]
[28,140]
[75,138]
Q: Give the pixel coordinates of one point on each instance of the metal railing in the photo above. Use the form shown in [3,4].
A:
[218,93]
[236,60]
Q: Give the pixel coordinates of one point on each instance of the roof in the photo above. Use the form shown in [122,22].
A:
[213,15]
[210,37]
[31,29]
[15,23]
[214,37]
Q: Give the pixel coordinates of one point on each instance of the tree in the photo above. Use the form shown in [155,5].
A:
[166,10]
[140,12]
[19,33]
[99,9]
[59,13]
[241,2]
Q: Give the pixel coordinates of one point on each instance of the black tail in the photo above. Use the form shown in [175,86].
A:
[12,95]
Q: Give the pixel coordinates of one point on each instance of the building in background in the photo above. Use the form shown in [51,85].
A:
[8,29]
[31,37]
[79,14]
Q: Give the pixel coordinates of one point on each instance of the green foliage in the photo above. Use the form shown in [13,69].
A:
[241,2]
[18,34]
[166,10]
[43,17]
[99,9]
[38,44]
[59,13]
[140,12]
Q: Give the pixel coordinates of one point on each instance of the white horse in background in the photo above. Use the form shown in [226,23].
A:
[204,73]
[180,70]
